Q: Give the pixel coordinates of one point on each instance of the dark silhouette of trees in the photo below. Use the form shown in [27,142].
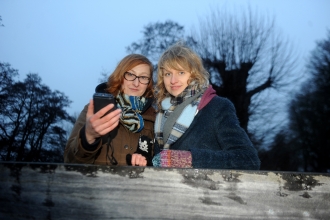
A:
[31,119]
[245,55]
[310,112]
[283,154]
[156,38]
[305,145]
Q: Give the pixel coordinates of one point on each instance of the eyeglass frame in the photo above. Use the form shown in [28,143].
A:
[149,78]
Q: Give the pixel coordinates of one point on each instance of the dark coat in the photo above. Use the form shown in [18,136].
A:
[216,140]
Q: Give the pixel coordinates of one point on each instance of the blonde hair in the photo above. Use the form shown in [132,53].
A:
[179,57]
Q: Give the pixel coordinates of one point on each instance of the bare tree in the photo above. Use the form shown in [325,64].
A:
[246,56]
[156,38]
[32,113]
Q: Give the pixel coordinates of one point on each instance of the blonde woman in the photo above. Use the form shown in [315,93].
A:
[194,127]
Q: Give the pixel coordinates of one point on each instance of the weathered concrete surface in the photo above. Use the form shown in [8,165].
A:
[63,191]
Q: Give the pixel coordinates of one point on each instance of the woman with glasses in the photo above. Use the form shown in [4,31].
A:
[194,127]
[123,136]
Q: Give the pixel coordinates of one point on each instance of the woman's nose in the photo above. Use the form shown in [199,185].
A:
[173,79]
[136,81]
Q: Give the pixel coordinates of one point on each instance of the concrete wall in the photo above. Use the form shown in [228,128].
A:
[63,191]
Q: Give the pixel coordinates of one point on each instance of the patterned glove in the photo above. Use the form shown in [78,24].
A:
[144,148]
[173,158]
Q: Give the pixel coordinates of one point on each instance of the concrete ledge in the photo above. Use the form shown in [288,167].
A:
[69,191]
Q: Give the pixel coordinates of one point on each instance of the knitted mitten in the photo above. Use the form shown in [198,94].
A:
[173,158]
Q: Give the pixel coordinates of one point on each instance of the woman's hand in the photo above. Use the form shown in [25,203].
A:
[138,160]
[96,125]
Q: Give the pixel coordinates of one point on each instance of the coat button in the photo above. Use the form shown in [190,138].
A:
[126,146]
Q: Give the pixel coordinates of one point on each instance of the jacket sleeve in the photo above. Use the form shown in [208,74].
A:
[74,151]
[235,150]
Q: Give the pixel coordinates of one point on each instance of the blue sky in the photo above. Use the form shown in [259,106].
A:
[70,42]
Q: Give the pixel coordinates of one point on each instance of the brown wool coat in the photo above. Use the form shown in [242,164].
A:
[125,142]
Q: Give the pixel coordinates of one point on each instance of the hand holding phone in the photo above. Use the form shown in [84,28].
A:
[96,126]
[103,99]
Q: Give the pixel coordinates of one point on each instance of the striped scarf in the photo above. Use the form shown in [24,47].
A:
[184,120]
[131,107]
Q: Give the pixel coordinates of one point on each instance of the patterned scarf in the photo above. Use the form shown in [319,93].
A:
[184,120]
[131,107]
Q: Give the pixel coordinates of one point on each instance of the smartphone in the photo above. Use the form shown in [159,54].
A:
[103,99]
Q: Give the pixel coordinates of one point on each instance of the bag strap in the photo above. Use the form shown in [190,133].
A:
[169,123]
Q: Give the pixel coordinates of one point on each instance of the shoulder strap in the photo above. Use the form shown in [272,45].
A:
[169,123]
